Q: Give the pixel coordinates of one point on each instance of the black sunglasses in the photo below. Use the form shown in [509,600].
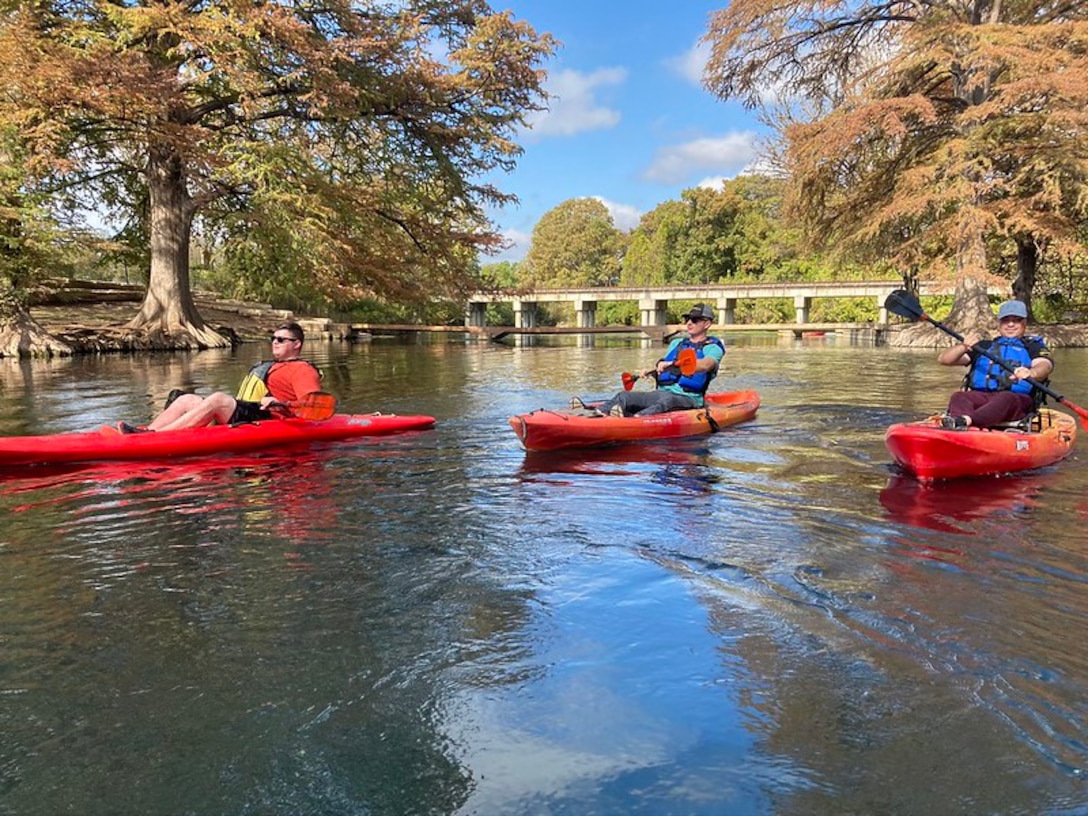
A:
[276,339]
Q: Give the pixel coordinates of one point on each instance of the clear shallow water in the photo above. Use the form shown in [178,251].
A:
[769,620]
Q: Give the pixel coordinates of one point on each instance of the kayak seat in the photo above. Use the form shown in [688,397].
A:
[1026,424]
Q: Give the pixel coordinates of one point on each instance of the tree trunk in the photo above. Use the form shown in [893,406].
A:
[22,336]
[970,301]
[1027,262]
[168,317]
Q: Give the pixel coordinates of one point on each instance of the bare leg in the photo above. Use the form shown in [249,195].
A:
[182,405]
[190,411]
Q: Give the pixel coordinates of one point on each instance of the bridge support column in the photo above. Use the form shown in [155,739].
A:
[727,311]
[524,314]
[881,312]
[585,313]
[476,314]
[801,305]
[654,312]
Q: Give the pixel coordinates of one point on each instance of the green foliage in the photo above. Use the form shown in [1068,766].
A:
[25,228]
[1064,284]
[735,234]
[652,257]
[574,245]
[611,313]
[439,313]
[331,152]
[769,310]
[936,306]
[502,275]
[555,314]
[843,310]
[924,135]
[499,314]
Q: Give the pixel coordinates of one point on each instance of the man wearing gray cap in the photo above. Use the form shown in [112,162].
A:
[991,394]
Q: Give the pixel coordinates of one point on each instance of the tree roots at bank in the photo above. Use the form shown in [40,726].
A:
[23,336]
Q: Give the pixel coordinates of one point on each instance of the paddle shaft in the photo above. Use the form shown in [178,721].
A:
[685,362]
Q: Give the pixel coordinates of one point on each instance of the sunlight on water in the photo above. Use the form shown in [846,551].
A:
[770,619]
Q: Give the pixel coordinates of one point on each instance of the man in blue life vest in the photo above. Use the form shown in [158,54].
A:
[993,395]
[675,391]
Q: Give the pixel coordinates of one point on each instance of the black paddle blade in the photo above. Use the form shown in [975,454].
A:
[904,304]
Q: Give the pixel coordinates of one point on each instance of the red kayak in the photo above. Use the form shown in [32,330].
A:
[551,430]
[931,452]
[110,444]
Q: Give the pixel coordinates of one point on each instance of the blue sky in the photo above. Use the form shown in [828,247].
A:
[629,122]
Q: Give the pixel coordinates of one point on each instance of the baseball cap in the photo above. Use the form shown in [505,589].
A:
[700,311]
[1012,308]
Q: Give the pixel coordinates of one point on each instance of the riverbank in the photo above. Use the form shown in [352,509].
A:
[90,316]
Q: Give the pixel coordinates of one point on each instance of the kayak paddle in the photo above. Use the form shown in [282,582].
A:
[686,361]
[316,406]
[904,304]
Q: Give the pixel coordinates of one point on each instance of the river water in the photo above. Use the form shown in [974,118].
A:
[766,621]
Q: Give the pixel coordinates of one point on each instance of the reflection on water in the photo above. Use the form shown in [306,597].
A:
[686,464]
[767,620]
[958,505]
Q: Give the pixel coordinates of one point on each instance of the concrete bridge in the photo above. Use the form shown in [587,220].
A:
[653,302]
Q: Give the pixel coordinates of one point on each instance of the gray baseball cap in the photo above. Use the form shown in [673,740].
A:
[1012,308]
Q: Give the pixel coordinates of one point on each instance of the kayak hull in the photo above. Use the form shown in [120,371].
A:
[543,429]
[931,452]
[107,444]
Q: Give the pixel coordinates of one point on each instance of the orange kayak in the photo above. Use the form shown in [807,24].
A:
[551,430]
[931,452]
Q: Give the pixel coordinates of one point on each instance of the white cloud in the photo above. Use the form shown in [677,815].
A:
[725,155]
[573,106]
[691,64]
[624,216]
[516,244]
[713,182]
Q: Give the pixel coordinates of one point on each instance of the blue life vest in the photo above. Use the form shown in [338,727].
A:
[986,375]
[698,382]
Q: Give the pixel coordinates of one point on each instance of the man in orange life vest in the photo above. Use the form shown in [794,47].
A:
[284,378]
